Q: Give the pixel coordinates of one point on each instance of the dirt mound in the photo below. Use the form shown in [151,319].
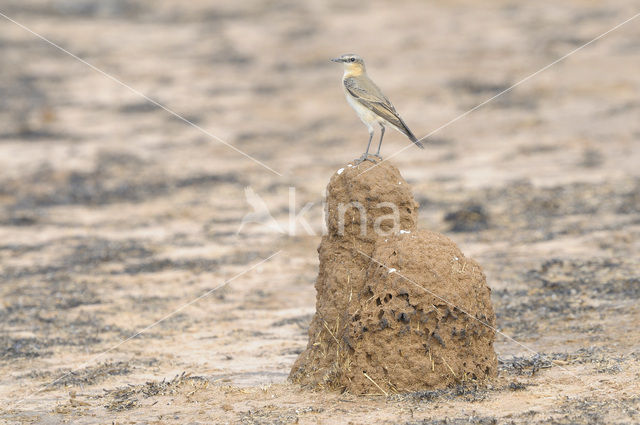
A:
[397,309]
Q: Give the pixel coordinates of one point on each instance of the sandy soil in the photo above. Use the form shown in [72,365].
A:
[113,213]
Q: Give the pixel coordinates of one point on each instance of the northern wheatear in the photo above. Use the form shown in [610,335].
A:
[369,103]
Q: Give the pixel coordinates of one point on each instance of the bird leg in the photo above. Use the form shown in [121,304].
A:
[365,156]
[382,128]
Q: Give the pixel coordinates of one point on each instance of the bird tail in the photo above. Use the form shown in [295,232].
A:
[410,135]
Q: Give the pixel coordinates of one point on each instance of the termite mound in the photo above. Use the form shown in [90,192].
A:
[398,309]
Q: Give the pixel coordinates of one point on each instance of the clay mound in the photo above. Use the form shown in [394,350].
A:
[359,200]
[409,330]
[381,322]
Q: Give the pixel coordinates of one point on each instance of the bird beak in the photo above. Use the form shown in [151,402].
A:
[337,60]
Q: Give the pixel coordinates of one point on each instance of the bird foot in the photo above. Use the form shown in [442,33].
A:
[367,157]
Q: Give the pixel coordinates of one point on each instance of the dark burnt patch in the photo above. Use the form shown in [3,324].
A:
[91,252]
[523,212]
[466,392]
[116,177]
[300,321]
[601,359]
[16,348]
[604,278]
[561,288]
[469,218]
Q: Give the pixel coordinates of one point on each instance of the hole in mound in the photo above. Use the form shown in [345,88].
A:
[403,317]
[404,297]
[438,338]
[384,324]
[388,298]
[378,302]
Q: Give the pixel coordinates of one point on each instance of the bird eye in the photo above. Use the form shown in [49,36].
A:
[352,60]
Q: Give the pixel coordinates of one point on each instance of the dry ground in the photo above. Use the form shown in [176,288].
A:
[113,213]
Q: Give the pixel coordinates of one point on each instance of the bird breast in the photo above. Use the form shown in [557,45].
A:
[366,115]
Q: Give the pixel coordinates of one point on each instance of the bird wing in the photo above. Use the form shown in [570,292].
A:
[368,94]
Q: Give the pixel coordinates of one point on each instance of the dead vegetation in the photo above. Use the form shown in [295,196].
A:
[129,397]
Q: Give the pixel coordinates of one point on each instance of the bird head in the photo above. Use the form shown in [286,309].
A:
[353,64]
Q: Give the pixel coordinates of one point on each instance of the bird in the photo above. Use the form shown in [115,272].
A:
[371,105]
